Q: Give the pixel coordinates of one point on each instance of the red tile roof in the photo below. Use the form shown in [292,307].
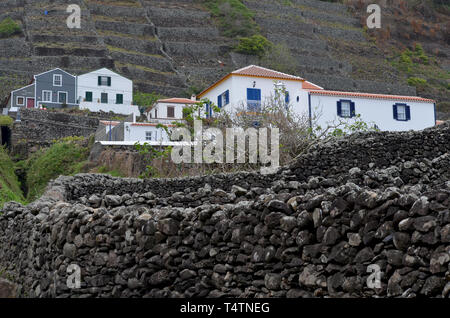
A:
[254,71]
[177,101]
[259,71]
[369,95]
[151,124]
[107,122]
[309,85]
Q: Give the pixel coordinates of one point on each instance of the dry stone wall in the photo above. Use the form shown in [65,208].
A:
[310,230]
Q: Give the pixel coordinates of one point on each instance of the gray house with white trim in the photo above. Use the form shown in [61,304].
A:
[55,89]
[23,97]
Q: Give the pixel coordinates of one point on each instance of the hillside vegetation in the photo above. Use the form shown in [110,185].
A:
[179,47]
[9,184]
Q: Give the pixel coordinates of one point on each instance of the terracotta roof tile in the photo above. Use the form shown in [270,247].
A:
[309,85]
[369,95]
[259,71]
[177,101]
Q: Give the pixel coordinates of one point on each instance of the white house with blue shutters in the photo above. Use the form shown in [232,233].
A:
[247,89]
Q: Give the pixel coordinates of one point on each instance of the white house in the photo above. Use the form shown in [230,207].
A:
[147,132]
[248,88]
[105,90]
[169,110]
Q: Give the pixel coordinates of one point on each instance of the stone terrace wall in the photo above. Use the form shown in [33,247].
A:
[292,234]
[38,126]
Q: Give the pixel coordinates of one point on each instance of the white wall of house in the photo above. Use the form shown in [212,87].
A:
[119,85]
[160,111]
[237,86]
[143,132]
[375,111]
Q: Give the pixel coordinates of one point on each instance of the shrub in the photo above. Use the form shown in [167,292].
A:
[254,45]
[6,121]
[145,99]
[233,17]
[8,28]
[62,158]
[279,58]
[416,81]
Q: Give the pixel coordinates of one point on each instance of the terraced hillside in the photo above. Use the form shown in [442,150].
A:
[174,47]
[329,46]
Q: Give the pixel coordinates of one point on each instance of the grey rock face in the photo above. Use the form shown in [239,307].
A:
[310,230]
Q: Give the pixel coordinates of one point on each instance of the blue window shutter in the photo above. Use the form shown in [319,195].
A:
[99,81]
[286,99]
[249,94]
[352,109]
[339,108]
[219,101]
[227,97]
[408,112]
[109,81]
[395,112]
[258,94]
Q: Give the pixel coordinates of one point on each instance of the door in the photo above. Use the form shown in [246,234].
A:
[30,102]
[62,97]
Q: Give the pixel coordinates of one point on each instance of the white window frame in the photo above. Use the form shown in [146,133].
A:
[346,112]
[101,80]
[54,79]
[67,97]
[149,135]
[17,100]
[224,99]
[51,96]
[401,115]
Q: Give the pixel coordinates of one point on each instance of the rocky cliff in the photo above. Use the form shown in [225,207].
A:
[310,230]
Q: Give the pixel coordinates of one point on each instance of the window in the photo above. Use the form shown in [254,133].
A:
[402,112]
[148,135]
[46,96]
[62,97]
[170,112]
[104,98]
[88,97]
[223,99]
[104,81]
[57,80]
[156,113]
[253,99]
[119,99]
[20,101]
[298,99]
[346,108]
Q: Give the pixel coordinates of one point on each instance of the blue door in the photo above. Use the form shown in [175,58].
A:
[253,99]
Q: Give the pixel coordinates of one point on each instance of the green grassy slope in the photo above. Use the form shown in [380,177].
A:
[9,184]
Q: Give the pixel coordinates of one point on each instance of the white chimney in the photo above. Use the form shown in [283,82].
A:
[193,97]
